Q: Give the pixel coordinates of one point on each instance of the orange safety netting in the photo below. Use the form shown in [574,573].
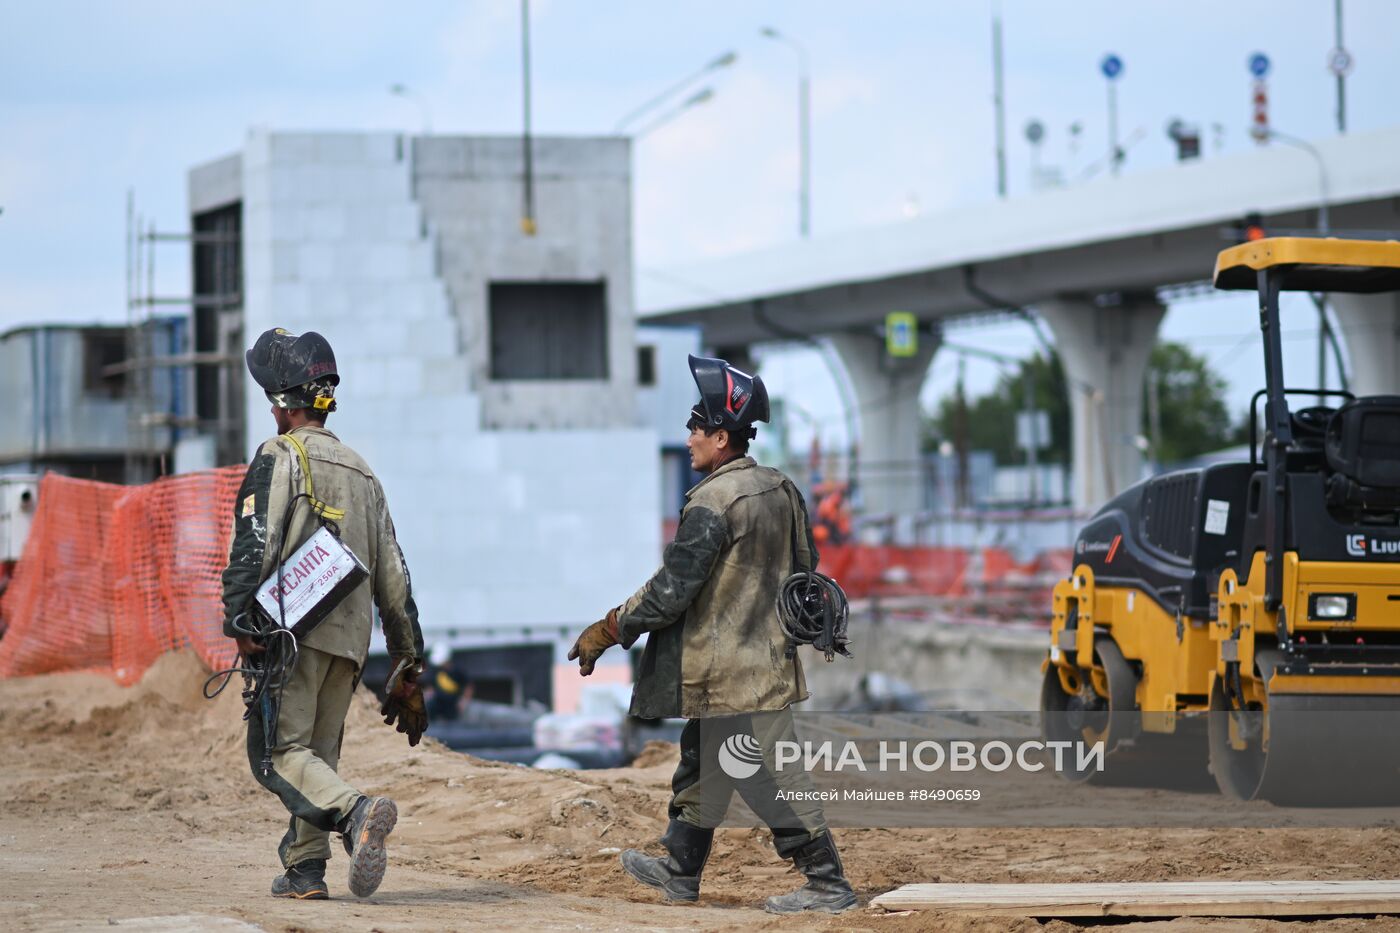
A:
[865,570]
[112,576]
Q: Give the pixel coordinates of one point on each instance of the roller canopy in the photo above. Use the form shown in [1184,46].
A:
[1309,264]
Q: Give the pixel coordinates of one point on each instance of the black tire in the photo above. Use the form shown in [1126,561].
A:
[1237,772]
[1085,716]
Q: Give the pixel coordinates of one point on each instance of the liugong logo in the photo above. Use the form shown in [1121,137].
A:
[1358,546]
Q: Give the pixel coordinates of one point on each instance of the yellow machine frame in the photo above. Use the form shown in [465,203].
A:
[1182,660]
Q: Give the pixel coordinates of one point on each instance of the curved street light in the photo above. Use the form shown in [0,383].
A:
[1324,224]
[1326,335]
[403,90]
[715,64]
[694,100]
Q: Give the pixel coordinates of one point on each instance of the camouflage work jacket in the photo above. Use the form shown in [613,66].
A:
[264,528]
[716,647]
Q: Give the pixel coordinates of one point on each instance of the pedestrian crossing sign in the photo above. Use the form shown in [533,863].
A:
[901,334]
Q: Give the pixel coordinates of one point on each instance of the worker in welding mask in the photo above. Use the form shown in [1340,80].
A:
[717,654]
[300,481]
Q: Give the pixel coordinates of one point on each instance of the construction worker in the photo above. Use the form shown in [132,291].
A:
[300,481]
[449,687]
[717,654]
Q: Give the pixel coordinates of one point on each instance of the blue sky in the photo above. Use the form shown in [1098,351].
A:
[101,97]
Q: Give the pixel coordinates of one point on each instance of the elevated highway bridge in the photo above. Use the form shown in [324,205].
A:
[1091,261]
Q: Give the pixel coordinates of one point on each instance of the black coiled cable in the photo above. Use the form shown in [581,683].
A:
[813,611]
[266,674]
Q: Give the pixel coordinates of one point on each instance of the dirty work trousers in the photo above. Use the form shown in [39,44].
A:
[309,729]
[701,788]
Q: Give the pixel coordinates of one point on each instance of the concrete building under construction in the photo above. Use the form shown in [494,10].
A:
[488,359]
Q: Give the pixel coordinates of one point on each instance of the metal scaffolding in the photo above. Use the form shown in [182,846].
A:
[164,366]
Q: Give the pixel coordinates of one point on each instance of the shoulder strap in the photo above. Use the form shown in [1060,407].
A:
[327,512]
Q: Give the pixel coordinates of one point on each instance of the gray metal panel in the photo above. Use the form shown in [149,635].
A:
[51,414]
[16,391]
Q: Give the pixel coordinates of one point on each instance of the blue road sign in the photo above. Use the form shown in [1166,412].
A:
[1258,64]
[1111,66]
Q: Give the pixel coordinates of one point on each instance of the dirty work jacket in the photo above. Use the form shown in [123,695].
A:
[342,480]
[716,646]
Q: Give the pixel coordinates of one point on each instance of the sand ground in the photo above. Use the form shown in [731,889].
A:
[134,809]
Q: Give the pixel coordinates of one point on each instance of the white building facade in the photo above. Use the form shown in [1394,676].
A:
[488,375]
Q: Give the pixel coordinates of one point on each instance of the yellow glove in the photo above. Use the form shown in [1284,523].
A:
[597,638]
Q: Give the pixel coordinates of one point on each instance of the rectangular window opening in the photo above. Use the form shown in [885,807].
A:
[101,349]
[548,330]
[646,365]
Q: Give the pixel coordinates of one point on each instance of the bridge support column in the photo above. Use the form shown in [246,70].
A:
[1370,325]
[1104,352]
[889,470]
[740,356]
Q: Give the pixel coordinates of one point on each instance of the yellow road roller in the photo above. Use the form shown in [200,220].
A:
[1248,614]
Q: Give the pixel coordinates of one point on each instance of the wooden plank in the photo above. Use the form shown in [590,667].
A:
[1152,899]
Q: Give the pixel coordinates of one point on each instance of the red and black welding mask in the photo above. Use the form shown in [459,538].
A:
[294,370]
[729,398]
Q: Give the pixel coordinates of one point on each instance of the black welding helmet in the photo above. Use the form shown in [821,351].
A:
[295,370]
[729,398]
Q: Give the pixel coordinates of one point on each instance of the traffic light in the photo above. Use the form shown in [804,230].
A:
[1251,228]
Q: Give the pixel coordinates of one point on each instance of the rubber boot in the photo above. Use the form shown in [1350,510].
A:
[826,889]
[305,881]
[363,832]
[678,874]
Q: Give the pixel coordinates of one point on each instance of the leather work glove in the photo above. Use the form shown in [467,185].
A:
[597,638]
[403,700]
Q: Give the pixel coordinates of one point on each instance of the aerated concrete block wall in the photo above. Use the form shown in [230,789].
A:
[522,532]
[471,190]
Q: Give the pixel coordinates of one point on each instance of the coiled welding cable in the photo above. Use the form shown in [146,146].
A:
[813,611]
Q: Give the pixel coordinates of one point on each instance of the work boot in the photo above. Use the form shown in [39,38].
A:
[678,874]
[305,881]
[363,832]
[826,889]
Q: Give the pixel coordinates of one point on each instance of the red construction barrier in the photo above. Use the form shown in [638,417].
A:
[880,570]
[868,570]
[112,576]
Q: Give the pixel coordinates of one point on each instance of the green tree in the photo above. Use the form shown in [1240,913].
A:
[991,418]
[1190,410]
[1191,400]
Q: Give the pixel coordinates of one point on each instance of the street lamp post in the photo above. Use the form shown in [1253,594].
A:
[1324,228]
[403,90]
[1339,62]
[1324,225]
[694,100]
[804,110]
[1009,363]
[999,100]
[715,64]
[1112,68]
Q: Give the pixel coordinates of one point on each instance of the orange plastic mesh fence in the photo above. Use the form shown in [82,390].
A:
[112,576]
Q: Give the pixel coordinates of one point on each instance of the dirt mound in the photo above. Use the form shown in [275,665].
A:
[161,768]
[177,677]
[656,753]
[32,703]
